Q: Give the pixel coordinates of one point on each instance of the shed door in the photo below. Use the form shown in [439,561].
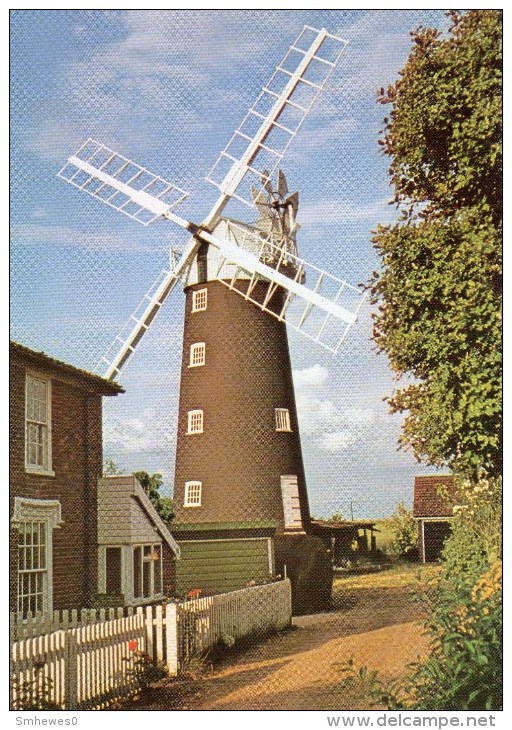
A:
[435,533]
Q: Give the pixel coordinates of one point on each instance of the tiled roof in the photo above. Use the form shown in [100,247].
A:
[427,499]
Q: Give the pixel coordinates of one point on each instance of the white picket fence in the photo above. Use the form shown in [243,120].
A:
[46,623]
[91,666]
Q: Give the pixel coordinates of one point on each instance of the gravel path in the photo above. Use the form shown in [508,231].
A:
[296,670]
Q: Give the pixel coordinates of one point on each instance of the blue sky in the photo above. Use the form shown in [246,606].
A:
[167,89]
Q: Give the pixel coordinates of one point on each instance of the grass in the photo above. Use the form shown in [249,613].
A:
[400,575]
[384,535]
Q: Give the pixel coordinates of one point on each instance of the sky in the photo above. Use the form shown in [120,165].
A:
[167,88]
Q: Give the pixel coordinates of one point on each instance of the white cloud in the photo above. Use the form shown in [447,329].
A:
[323,419]
[136,434]
[313,376]
[159,76]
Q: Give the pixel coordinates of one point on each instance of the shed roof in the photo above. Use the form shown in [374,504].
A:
[42,360]
[343,525]
[434,496]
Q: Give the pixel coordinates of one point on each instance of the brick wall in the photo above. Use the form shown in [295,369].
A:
[77,463]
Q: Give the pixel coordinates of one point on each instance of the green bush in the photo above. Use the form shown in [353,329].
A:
[404,531]
[464,669]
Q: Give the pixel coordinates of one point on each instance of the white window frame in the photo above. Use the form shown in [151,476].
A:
[193,494]
[147,559]
[195,421]
[283,419]
[45,425]
[48,513]
[199,300]
[102,568]
[197,356]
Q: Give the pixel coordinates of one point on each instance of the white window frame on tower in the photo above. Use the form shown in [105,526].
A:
[195,422]
[38,424]
[197,354]
[193,494]
[199,300]
[283,419]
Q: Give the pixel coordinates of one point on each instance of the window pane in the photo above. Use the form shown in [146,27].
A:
[137,572]
[157,567]
[42,545]
[113,571]
[146,578]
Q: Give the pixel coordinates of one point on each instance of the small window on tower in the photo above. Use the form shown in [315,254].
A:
[192,494]
[195,422]
[283,419]
[199,300]
[197,354]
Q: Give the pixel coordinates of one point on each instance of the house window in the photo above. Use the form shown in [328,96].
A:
[197,354]
[283,419]
[199,300]
[32,567]
[34,521]
[147,570]
[195,422]
[193,494]
[37,423]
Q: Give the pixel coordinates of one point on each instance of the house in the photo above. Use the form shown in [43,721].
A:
[136,553]
[434,501]
[58,503]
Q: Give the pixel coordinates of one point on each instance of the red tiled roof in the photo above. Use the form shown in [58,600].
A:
[427,500]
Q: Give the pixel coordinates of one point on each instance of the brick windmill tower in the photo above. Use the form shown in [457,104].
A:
[239,483]
[238,451]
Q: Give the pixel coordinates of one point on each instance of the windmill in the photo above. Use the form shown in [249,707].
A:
[239,470]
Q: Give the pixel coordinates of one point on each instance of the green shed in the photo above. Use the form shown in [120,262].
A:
[220,557]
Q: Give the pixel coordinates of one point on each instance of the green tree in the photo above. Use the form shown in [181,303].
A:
[465,619]
[110,468]
[439,291]
[151,484]
[404,531]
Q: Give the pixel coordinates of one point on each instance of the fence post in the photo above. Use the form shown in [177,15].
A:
[70,670]
[171,638]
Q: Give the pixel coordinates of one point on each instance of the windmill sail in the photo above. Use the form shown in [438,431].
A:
[317,304]
[257,147]
[121,183]
[250,159]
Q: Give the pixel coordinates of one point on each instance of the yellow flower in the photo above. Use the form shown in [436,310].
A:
[488,583]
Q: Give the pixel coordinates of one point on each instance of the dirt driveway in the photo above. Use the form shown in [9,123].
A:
[375,623]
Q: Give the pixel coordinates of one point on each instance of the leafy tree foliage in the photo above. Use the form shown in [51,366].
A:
[110,468]
[464,668]
[151,485]
[404,530]
[439,292]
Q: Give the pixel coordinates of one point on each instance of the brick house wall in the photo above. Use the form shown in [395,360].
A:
[76,451]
